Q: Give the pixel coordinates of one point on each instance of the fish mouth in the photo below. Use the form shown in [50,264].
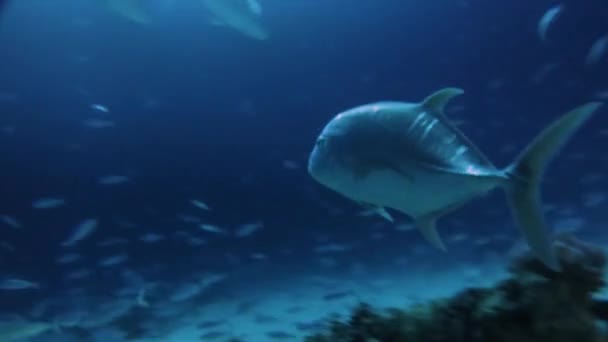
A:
[318,166]
[315,155]
[312,166]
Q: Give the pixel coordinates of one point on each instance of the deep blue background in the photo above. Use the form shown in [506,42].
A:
[229,109]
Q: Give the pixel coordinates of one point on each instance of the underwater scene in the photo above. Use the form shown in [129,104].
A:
[303,170]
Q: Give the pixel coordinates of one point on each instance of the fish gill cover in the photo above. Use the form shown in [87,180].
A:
[156,183]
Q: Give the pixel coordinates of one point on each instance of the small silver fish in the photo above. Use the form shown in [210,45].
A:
[248,229]
[151,238]
[548,18]
[411,158]
[48,203]
[212,228]
[113,260]
[10,221]
[200,204]
[12,284]
[290,164]
[597,51]
[100,108]
[68,258]
[112,180]
[81,232]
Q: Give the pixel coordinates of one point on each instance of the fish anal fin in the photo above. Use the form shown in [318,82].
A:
[437,101]
[427,225]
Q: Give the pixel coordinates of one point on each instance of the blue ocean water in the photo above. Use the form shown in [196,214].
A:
[158,162]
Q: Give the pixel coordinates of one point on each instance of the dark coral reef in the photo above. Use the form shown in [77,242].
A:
[533,304]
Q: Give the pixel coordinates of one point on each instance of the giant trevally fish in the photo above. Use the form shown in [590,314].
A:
[240,15]
[411,158]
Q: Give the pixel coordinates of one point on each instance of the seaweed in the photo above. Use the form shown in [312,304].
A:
[534,303]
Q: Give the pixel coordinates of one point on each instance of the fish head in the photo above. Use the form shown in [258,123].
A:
[368,155]
[336,156]
[320,161]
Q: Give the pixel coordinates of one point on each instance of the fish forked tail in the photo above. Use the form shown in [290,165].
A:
[525,174]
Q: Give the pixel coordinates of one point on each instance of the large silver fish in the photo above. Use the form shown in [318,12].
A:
[409,157]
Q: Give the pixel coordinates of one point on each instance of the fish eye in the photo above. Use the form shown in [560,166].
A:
[320,142]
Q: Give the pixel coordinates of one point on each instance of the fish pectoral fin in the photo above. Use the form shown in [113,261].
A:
[427,226]
[389,165]
[437,101]
[381,211]
[377,210]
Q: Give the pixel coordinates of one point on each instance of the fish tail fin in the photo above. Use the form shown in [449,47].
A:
[525,176]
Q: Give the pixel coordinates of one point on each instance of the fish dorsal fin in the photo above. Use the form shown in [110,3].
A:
[437,101]
[427,226]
